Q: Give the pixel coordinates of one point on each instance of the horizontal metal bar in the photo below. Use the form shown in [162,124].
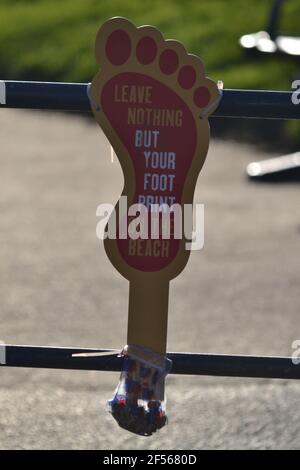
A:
[46,95]
[183,363]
[73,97]
[260,104]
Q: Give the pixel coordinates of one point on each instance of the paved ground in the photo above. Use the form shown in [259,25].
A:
[239,295]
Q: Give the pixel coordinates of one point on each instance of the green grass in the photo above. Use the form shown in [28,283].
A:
[54,39]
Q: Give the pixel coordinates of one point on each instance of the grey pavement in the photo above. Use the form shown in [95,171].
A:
[240,294]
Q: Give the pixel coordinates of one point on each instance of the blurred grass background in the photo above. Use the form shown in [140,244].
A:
[54,39]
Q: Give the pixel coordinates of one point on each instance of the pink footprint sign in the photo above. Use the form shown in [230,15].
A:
[152,99]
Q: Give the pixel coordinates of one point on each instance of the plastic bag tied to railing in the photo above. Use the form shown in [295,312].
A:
[139,403]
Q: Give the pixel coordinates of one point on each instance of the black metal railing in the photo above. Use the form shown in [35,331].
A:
[74,97]
[183,363]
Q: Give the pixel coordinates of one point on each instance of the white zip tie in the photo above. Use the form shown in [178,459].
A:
[215,103]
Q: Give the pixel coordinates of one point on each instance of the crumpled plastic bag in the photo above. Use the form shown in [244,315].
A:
[139,403]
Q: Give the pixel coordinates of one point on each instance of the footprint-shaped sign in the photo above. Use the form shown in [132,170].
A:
[152,99]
